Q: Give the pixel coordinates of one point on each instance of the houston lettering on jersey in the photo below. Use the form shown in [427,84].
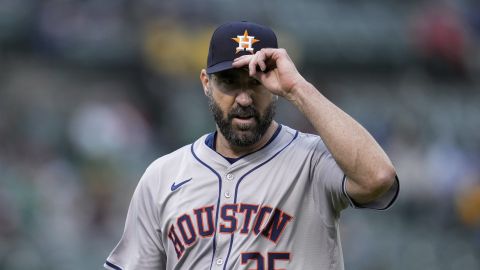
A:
[200,223]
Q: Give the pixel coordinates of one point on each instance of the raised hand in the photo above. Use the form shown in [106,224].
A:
[274,69]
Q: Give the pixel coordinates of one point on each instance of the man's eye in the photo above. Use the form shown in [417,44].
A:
[255,82]
[227,81]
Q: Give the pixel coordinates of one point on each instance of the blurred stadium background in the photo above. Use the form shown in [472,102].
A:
[92,91]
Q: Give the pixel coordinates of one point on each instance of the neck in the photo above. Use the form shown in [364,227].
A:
[227,150]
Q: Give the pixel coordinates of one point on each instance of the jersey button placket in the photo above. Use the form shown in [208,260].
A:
[229,177]
[223,239]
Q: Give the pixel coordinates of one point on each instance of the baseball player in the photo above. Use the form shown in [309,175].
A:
[255,194]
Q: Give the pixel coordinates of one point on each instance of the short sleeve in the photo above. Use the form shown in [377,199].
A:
[383,202]
[140,246]
[328,181]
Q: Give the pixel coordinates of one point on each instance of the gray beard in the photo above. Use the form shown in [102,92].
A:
[245,135]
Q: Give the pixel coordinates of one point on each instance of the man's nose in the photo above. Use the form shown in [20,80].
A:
[244,98]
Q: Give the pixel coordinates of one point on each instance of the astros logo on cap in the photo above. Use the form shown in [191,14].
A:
[245,42]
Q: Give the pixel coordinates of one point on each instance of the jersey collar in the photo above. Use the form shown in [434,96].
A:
[281,137]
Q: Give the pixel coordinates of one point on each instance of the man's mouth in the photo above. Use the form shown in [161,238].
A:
[243,116]
[244,119]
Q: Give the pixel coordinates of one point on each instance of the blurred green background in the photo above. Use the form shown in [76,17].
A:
[92,91]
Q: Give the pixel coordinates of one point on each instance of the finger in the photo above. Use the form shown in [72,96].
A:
[241,61]
[252,66]
[265,79]
[268,52]
[260,76]
[258,61]
[261,60]
[242,57]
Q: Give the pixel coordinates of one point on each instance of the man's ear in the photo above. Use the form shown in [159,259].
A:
[205,79]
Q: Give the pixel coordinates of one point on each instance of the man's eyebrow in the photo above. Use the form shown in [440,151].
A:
[225,76]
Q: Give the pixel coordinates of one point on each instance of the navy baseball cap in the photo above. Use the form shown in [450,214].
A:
[234,39]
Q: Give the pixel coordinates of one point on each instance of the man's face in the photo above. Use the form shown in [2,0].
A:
[242,108]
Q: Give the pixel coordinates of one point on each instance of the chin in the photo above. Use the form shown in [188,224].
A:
[244,127]
[245,140]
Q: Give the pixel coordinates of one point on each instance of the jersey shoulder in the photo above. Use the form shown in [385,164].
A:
[306,141]
[171,158]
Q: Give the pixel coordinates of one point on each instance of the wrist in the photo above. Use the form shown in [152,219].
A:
[299,88]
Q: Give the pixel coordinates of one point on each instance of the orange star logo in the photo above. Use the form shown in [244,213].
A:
[245,42]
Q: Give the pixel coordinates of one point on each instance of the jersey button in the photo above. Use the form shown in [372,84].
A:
[227,194]
[230,177]
[219,261]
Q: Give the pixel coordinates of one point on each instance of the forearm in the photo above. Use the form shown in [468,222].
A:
[355,150]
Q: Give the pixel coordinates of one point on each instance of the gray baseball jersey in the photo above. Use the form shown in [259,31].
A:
[276,208]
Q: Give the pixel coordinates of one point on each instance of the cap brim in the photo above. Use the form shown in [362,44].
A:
[220,67]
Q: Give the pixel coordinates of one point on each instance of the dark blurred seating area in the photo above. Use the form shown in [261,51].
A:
[92,91]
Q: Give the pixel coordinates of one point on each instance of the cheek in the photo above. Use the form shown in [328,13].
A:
[263,100]
[224,102]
